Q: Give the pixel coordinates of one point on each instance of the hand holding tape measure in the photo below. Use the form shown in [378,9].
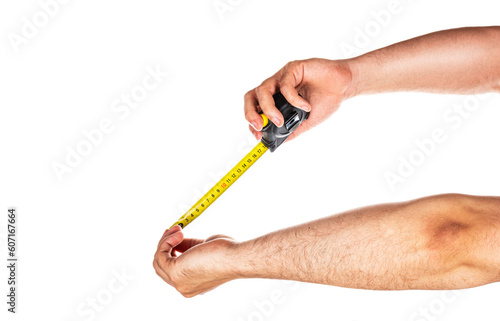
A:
[272,137]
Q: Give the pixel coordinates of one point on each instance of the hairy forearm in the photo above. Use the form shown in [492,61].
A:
[440,242]
[462,61]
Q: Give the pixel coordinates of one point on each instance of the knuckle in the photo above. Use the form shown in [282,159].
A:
[187,295]
[186,291]
[249,94]
[292,64]
[259,90]
[265,88]
[300,62]
[249,114]
[181,288]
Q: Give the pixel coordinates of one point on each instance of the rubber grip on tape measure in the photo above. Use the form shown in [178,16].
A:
[272,135]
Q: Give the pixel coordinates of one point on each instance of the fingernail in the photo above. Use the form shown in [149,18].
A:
[171,230]
[170,234]
[255,125]
[277,121]
[306,108]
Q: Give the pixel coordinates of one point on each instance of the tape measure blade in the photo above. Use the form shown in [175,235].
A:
[222,185]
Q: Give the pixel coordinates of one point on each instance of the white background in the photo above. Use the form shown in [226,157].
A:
[109,212]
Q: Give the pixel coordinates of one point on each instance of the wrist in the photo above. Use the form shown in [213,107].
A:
[242,262]
[355,85]
[339,77]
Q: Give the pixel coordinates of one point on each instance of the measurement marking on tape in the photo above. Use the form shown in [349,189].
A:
[221,186]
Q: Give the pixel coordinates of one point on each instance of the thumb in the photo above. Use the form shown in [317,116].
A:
[171,241]
[291,78]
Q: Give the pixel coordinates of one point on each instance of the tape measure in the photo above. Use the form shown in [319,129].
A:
[272,138]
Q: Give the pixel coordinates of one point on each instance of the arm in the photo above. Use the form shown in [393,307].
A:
[439,242]
[458,61]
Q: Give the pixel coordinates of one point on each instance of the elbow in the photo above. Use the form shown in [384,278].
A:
[463,245]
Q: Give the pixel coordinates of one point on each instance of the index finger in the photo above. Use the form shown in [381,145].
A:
[265,94]
[251,110]
[293,77]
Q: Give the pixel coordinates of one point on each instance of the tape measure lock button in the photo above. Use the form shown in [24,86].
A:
[265,120]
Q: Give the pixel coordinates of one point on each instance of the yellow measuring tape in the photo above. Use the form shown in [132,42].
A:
[222,185]
[272,137]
